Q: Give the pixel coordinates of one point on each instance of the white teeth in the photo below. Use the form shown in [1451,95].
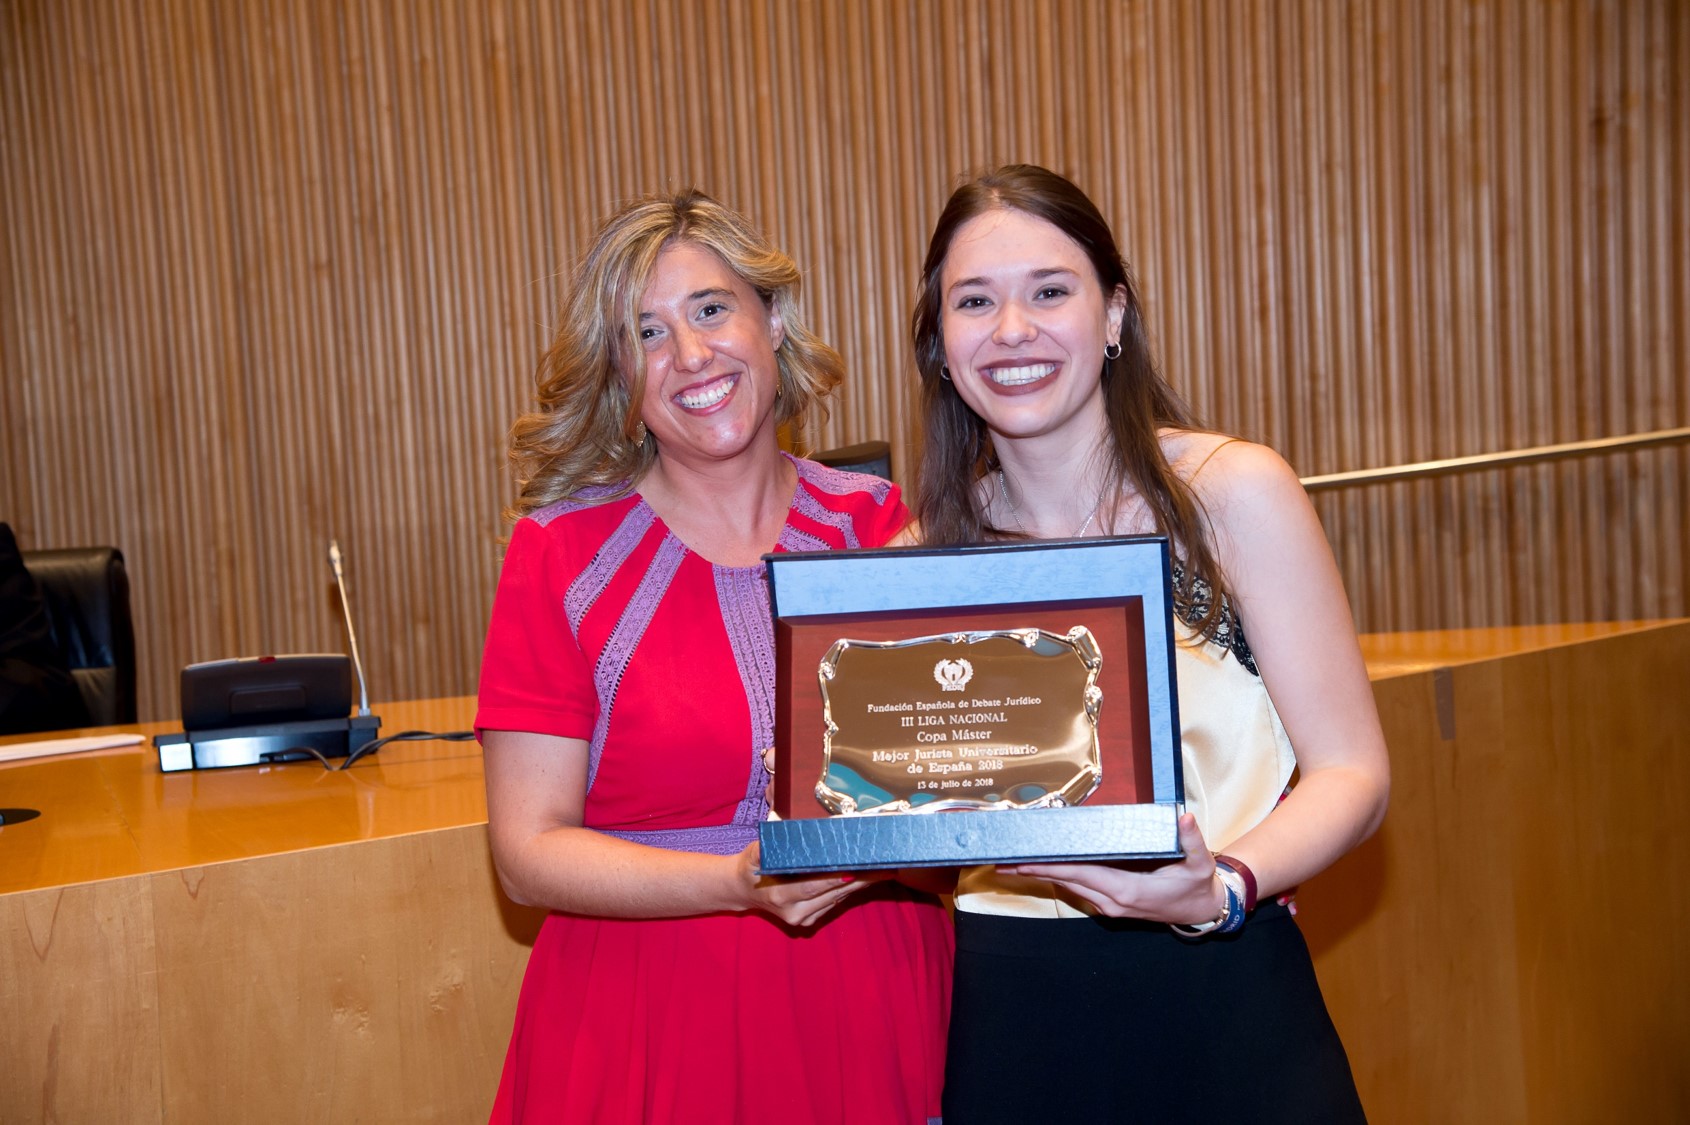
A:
[709,396]
[1016,376]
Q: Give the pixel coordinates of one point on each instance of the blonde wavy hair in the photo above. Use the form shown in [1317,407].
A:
[591,380]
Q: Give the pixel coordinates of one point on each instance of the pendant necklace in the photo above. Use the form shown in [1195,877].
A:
[1015,514]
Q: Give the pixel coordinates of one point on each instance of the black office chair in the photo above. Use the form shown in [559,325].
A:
[86,591]
[865,457]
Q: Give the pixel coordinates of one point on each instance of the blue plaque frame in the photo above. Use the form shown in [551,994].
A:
[1043,576]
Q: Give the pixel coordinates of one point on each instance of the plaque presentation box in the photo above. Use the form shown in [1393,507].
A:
[989,704]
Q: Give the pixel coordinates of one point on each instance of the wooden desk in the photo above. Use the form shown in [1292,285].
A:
[1507,948]
[270,943]
[111,813]
[289,944]
[1396,654]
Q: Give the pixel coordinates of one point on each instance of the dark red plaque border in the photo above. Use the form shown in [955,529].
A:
[1123,722]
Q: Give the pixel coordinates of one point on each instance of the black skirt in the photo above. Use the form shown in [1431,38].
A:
[1104,1020]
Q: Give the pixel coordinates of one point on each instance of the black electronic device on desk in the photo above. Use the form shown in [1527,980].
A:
[260,709]
[265,709]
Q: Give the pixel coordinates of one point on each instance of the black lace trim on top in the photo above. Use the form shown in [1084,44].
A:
[1191,603]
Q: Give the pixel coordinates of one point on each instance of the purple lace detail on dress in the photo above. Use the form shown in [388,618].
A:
[743,594]
[791,539]
[550,512]
[625,637]
[714,839]
[607,560]
[813,509]
[833,482]
[842,482]
[589,497]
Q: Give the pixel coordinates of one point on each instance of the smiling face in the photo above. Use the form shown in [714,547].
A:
[1025,321]
[709,344]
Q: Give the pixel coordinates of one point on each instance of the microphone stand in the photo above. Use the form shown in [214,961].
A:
[351,633]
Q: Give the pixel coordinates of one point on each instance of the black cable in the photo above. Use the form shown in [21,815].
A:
[283,757]
[375,744]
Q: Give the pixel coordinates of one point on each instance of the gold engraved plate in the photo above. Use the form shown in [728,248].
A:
[987,720]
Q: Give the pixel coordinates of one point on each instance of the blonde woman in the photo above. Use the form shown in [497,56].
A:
[627,694]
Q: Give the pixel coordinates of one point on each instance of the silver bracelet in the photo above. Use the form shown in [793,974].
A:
[1229,903]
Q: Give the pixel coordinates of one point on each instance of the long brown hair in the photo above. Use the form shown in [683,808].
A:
[583,430]
[956,444]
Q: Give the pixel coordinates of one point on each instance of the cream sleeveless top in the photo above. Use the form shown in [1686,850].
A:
[1236,755]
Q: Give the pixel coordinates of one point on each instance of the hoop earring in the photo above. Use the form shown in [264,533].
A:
[1112,351]
[944,373]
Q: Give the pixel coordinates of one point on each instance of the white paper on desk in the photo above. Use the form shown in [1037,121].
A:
[44,747]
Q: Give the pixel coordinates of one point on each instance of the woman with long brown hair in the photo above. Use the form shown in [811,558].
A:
[1102,992]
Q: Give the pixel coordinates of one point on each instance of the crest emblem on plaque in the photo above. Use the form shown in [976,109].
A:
[953,675]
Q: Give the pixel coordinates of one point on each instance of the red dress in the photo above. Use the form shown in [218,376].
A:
[607,628]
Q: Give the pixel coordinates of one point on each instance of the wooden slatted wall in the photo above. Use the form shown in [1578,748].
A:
[277,270]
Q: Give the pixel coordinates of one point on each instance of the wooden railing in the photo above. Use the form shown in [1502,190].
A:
[1596,446]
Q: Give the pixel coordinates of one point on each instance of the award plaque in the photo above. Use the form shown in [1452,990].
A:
[1000,703]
